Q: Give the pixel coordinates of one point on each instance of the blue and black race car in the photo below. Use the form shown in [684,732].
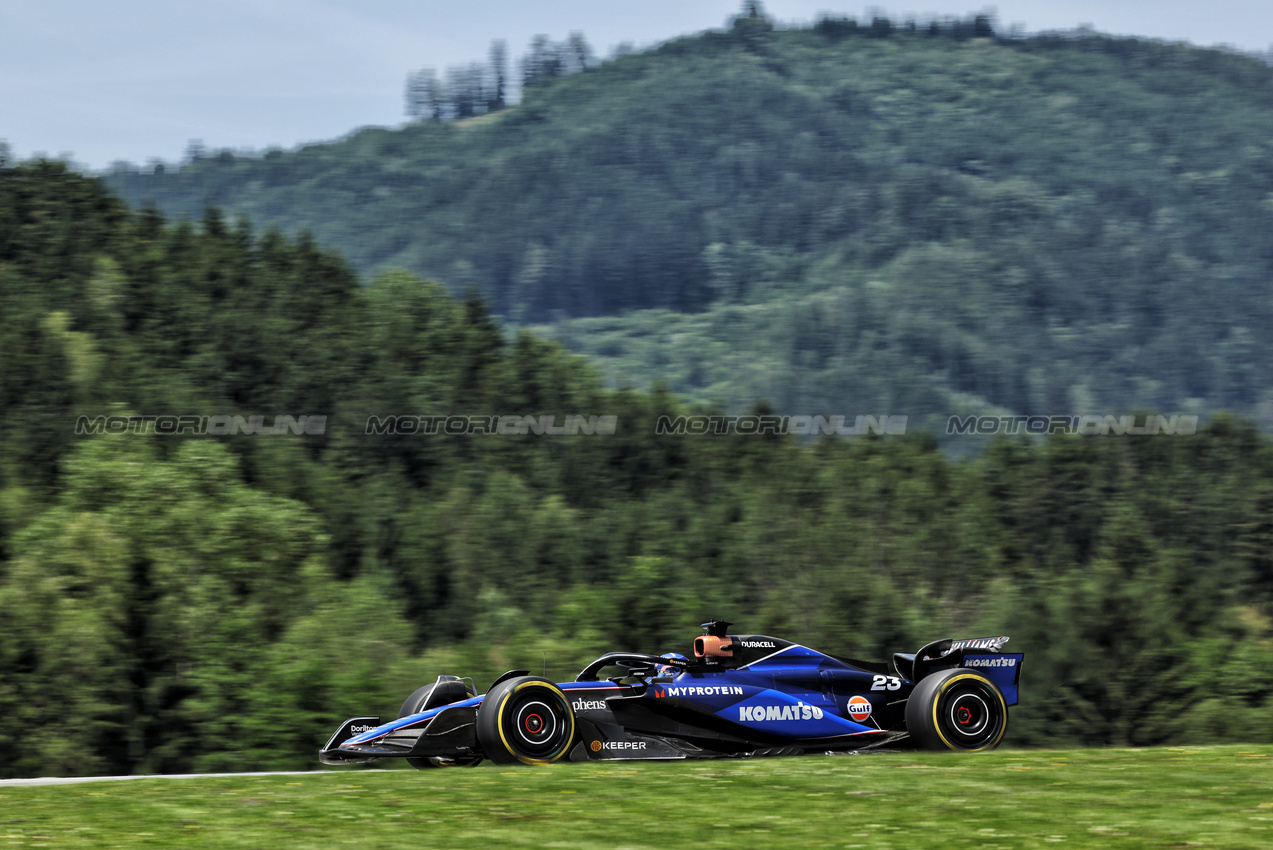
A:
[741,695]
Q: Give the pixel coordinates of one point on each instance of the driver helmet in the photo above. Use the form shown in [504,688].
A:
[665,670]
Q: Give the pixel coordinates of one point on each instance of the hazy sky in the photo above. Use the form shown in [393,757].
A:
[105,80]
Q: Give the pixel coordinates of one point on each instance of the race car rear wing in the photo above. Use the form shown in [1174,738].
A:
[984,654]
[1003,668]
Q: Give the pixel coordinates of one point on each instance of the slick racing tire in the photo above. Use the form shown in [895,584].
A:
[527,720]
[956,710]
[431,696]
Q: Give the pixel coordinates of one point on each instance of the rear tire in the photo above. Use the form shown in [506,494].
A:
[956,710]
[432,696]
[527,720]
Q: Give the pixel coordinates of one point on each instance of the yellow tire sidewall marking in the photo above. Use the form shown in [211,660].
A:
[499,719]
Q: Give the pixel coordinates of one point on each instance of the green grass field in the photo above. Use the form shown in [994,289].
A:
[1171,798]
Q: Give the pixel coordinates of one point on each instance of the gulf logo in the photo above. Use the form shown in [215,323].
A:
[859,708]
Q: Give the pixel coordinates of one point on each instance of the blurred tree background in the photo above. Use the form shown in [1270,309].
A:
[174,603]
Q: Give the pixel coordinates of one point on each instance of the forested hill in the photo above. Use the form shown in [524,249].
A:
[840,218]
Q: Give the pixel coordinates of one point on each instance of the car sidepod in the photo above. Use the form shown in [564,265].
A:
[785,697]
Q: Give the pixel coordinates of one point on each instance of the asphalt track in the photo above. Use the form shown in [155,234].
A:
[70,780]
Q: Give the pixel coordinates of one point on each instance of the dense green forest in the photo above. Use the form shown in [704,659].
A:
[173,602]
[844,218]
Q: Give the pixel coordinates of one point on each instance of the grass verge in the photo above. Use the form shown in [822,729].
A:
[1176,797]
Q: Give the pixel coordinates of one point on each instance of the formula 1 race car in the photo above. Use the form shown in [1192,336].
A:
[741,695]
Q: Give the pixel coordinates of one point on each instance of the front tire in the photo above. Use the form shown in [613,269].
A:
[527,720]
[956,710]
